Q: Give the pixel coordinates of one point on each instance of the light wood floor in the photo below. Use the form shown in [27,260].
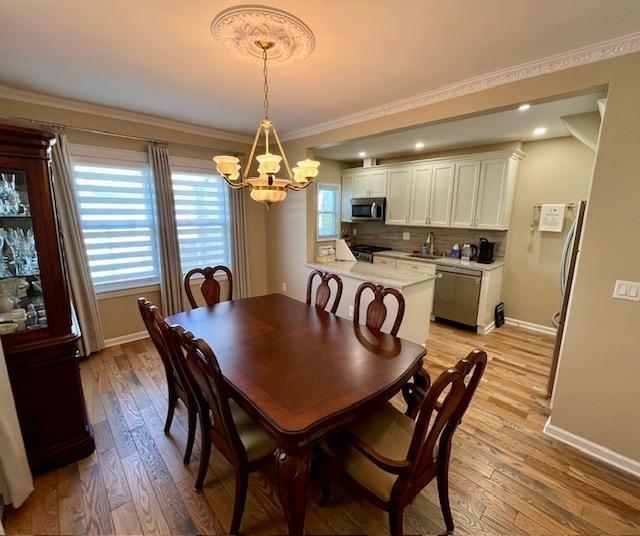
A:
[506,477]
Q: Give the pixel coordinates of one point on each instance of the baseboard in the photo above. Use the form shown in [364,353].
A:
[592,449]
[126,338]
[530,326]
[486,329]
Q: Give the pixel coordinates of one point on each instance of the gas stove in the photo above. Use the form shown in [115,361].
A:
[365,252]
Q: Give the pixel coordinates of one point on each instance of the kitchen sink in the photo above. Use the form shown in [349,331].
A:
[421,256]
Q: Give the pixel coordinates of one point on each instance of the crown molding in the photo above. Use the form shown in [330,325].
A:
[63,103]
[613,48]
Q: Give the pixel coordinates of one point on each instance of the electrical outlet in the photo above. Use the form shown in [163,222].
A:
[627,290]
[406,236]
[350,311]
[355,232]
[284,287]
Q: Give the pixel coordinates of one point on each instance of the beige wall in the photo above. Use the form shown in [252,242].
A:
[552,171]
[119,313]
[596,394]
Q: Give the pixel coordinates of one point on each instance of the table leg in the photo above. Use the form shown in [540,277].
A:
[292,471]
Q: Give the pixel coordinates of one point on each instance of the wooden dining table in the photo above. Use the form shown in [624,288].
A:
[302,374]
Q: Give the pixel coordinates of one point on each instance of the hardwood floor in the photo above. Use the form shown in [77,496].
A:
[506,477]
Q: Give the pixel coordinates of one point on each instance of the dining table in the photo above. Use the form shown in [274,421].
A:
[302,374]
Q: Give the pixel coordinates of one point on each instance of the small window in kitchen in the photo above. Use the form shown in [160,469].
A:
[328,216]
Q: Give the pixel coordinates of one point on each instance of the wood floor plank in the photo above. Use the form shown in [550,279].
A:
[118,425]
[45,504]
[96,504]
[203,517]
[125,519]
[149,512]
[70,507]
[115,481]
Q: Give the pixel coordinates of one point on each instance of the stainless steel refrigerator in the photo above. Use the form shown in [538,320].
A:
[570,253]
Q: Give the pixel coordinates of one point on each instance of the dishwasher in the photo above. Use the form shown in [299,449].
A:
[457,294]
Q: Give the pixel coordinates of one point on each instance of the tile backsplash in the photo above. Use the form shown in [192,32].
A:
[379,234]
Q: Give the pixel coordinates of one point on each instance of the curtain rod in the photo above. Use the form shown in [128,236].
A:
[118,135]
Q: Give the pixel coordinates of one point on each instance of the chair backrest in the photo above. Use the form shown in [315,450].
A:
[440,414]
[323,292]
[204,376]
[210,287]
[157,328]
[377,310]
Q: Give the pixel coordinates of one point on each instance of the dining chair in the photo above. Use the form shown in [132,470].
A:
[323,292]
[389,458]
[177,386]
[377,310]
[223,423]
[210,287]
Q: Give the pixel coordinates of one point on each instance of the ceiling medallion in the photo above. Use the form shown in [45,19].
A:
[238,28]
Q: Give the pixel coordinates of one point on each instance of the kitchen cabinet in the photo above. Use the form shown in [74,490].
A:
[419,195]
[398,196]
[347,194]
[370,183]
[441,195]
[465,193]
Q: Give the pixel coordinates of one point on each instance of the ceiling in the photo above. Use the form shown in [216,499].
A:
[158,57]
[498,127]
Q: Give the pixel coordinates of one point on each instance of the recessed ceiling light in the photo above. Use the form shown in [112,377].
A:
[539,131]
[419,145]
[524,107]
[362,154]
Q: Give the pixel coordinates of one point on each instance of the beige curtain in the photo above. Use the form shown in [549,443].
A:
[239,249]
[80,284]
[16,482]
[169,250]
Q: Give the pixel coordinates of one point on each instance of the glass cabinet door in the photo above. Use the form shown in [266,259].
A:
[21,301]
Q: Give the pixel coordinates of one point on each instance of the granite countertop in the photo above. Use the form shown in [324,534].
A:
[447,261]
[375,273]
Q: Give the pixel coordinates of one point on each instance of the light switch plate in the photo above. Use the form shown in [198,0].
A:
[355,232]
[406,236]
[284,287]
[627,290]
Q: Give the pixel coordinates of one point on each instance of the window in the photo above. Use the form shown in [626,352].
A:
[328,211]
[116,206]
[202,217]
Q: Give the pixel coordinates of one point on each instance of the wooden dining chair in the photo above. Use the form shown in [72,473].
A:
[377,310]
[323,292]
[223,423]
[177,386]
[389,458]
[210,287]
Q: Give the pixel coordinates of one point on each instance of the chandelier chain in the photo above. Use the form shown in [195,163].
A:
[266,84]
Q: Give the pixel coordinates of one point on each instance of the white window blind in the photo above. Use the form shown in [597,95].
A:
[328,207]
[116,206]
[202,217]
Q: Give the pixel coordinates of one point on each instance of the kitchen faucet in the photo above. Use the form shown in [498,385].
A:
[430,242]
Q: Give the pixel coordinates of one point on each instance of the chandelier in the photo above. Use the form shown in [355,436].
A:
[267,187]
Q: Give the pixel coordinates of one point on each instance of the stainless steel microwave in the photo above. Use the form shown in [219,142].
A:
[368,209]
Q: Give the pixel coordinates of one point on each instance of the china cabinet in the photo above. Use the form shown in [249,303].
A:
[38,335]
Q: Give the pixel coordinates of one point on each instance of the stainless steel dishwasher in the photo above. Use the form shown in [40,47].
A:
[457,294]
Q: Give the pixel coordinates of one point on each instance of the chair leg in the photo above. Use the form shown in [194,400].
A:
[395,520]
[443,493]
[191,434]
[205,454]
[242,482]
[171,408]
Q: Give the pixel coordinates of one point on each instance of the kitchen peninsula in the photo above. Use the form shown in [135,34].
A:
[416,286]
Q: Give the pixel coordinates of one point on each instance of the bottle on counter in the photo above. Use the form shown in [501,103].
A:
[455,251]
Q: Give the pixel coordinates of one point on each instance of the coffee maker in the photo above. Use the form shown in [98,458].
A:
[486,251]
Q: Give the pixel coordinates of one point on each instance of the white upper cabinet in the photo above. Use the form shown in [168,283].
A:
[398,196]
[465,193]
[441,195]
[361,184]
[492,193]
[419,195]
[347,194]
[378,183]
